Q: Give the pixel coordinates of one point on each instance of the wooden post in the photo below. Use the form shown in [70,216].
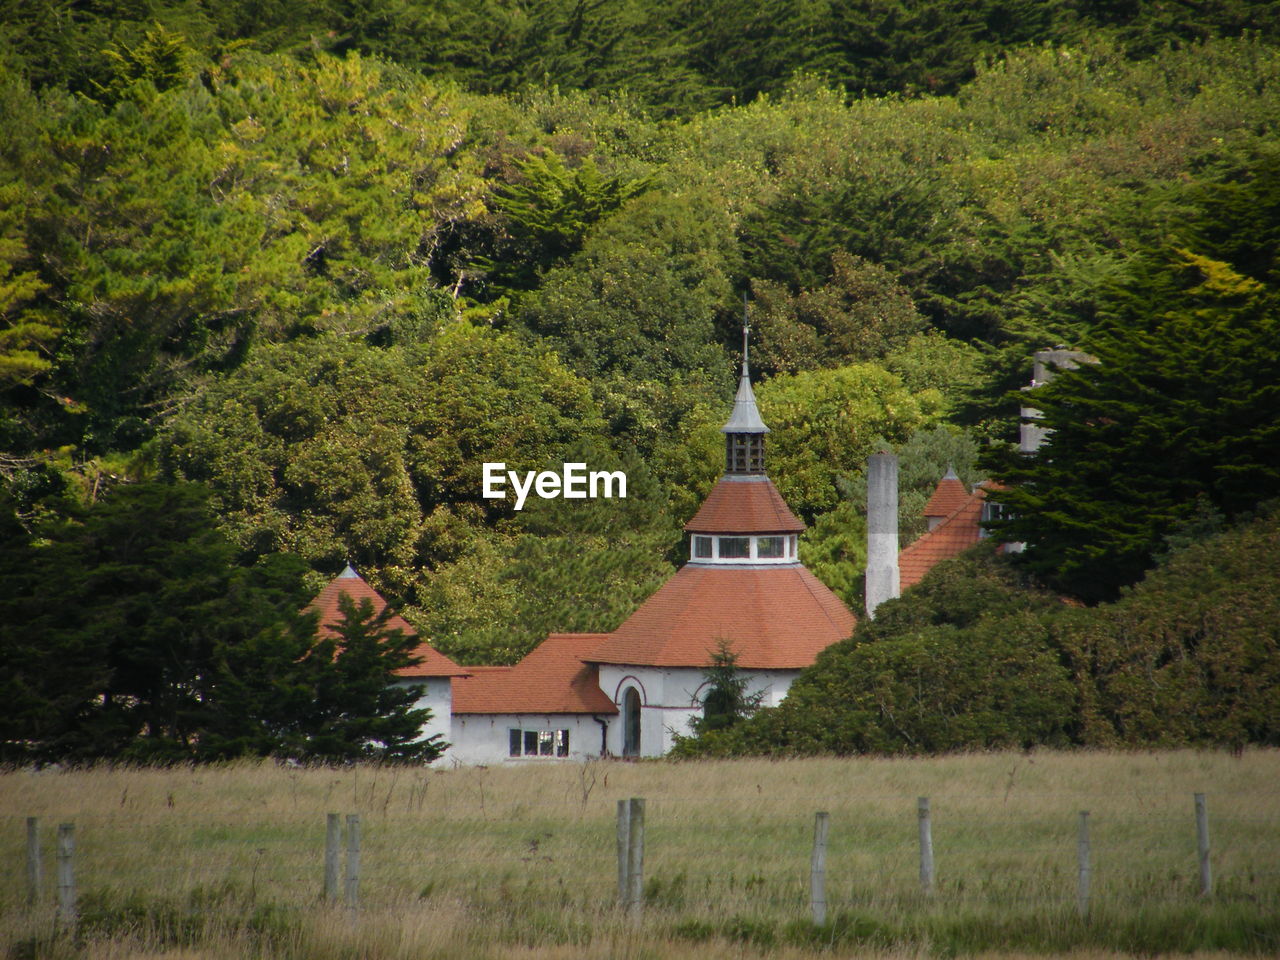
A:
[624,847]
[1082,855]
[926,845]
[66,873]
[353,860]
[35,867]
[635,858]
[818,868]
[332,845]
[1202,843]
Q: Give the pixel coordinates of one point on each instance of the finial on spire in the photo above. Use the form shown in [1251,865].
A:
[746,332]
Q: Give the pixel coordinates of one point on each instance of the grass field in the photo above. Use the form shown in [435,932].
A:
[519,862]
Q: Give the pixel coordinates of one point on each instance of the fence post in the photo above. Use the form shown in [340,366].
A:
[332,843]
[66,873]
[624,847]
[35,867]
[926,845]
[818,868]
[635,858]
[353,860]
[1202,842]
[1082,855]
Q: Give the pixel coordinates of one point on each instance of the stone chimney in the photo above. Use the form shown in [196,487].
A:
[1044,365]
[882,530]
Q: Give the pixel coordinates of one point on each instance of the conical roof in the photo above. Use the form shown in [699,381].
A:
[745,416]
[947,496]
[744,505]
[433,662]
[777,618]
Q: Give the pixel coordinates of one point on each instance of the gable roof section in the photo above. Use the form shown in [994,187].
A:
[552,679]
[744,505]
[948,497]
[776,618]
[953,536]
[434,663]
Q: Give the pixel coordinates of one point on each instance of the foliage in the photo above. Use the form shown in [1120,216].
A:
[354,710]
[1190,654]
[384,445]
[962,662]
[133,629]
[546,213]
[973,656]
[825,423]
[860,314]
[1179,405]
[727,701]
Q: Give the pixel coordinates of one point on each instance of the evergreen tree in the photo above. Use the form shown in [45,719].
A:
[358,711]
[726,701]
[1179,409]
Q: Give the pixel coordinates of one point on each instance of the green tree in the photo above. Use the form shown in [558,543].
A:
[546,212]
[963,661]
[826,422]
[727,700]
[357,711]
[1179,406]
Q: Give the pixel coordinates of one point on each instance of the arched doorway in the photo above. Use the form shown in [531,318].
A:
[631,723]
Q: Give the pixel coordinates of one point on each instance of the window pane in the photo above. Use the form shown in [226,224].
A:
[513,743]
[735,547]
[544,743]
[531,743]
[702,546]
[562,743]
[769,546]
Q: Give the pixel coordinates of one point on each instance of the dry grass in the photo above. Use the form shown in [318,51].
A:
[518,862]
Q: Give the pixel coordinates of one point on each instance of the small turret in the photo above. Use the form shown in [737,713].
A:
[744,432]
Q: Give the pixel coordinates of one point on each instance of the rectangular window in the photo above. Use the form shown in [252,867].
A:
[770,547]
[793,553]
[538,743]
[702,547]
[735,548]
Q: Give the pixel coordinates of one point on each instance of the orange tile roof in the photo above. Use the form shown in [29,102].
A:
[433,662]
[954,535]
[949,496]
[552,679]
[773,618]
[744,505]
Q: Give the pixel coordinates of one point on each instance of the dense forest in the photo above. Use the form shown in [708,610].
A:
[276,279]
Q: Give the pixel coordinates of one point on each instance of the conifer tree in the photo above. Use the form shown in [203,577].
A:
[1179,410]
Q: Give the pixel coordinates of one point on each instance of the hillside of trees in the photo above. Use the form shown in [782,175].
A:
[312,265]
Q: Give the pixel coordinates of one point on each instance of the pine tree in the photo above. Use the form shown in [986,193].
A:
[1180,410]
[358,711]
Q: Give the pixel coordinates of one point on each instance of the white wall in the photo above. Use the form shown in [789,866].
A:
[671,696]
[483,737]
[437,696]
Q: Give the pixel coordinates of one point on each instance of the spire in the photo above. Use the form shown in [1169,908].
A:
[349,573]
[745,417]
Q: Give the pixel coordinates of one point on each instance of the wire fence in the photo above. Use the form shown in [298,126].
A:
[876,851]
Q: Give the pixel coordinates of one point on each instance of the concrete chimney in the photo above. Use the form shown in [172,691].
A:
[882,530]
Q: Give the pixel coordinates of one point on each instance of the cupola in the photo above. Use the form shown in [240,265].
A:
[744,521]
[744,432]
